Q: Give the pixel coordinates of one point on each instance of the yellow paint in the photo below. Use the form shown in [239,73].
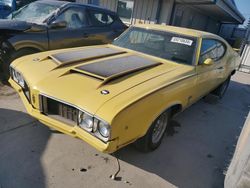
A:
[134,101]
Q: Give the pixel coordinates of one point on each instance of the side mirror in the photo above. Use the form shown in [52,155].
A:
[58,24]
[208,61]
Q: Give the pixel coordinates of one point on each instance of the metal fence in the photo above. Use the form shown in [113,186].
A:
[245,59]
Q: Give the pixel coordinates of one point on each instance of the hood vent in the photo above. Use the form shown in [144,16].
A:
[115,68]
[87,54]
[75,71]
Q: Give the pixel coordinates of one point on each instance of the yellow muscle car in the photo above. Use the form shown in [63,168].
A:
[116,94]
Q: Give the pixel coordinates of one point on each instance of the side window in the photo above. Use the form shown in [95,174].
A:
[211,49]
[74,17]
[98,18]
[208,50]
[221,49]
[125,10]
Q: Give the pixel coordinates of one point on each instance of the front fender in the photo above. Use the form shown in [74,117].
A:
[134,121]
[36,40]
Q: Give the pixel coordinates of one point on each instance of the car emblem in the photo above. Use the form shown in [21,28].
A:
[105,92]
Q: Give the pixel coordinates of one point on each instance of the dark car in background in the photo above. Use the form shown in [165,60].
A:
[6,7]
[49,24]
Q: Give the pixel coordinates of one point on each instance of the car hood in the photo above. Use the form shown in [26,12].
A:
[90,76]
[14,25]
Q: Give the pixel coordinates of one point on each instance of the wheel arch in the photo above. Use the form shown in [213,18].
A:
[29,45]
[33,49]
[146,142]
[128,129]
[174,108]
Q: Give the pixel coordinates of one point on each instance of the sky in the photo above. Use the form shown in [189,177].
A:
[244,8]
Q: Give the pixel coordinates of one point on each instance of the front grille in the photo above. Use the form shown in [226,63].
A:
[59,110]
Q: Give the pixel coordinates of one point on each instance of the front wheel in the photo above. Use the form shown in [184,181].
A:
[153,137]
[221,90]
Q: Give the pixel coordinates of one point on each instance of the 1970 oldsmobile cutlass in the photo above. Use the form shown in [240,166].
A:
[125,92]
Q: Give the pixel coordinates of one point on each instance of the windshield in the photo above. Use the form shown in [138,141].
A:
[36,12]
[170,46]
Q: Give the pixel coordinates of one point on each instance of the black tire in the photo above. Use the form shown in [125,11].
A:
[15,55]
[146,144]
[221,90]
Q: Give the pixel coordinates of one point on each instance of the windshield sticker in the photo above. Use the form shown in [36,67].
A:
[182,41]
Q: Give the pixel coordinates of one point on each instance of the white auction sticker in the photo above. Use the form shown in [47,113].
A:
[182,41]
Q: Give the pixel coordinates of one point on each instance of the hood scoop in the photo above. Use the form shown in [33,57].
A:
[108,70]
[87,54]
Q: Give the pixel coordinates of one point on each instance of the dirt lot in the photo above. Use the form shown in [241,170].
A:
[195,152]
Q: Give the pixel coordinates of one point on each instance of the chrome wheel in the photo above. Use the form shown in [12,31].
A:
[159,128]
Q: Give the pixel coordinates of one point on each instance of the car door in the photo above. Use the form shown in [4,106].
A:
[208,75]
[74,34]
[221,62]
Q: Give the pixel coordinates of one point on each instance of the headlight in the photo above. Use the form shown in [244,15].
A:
[103,129]
[94,126]
[17,77]
[85,121]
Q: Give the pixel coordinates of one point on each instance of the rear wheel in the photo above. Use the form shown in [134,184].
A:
[221,90]
[15,55]
[153,138]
